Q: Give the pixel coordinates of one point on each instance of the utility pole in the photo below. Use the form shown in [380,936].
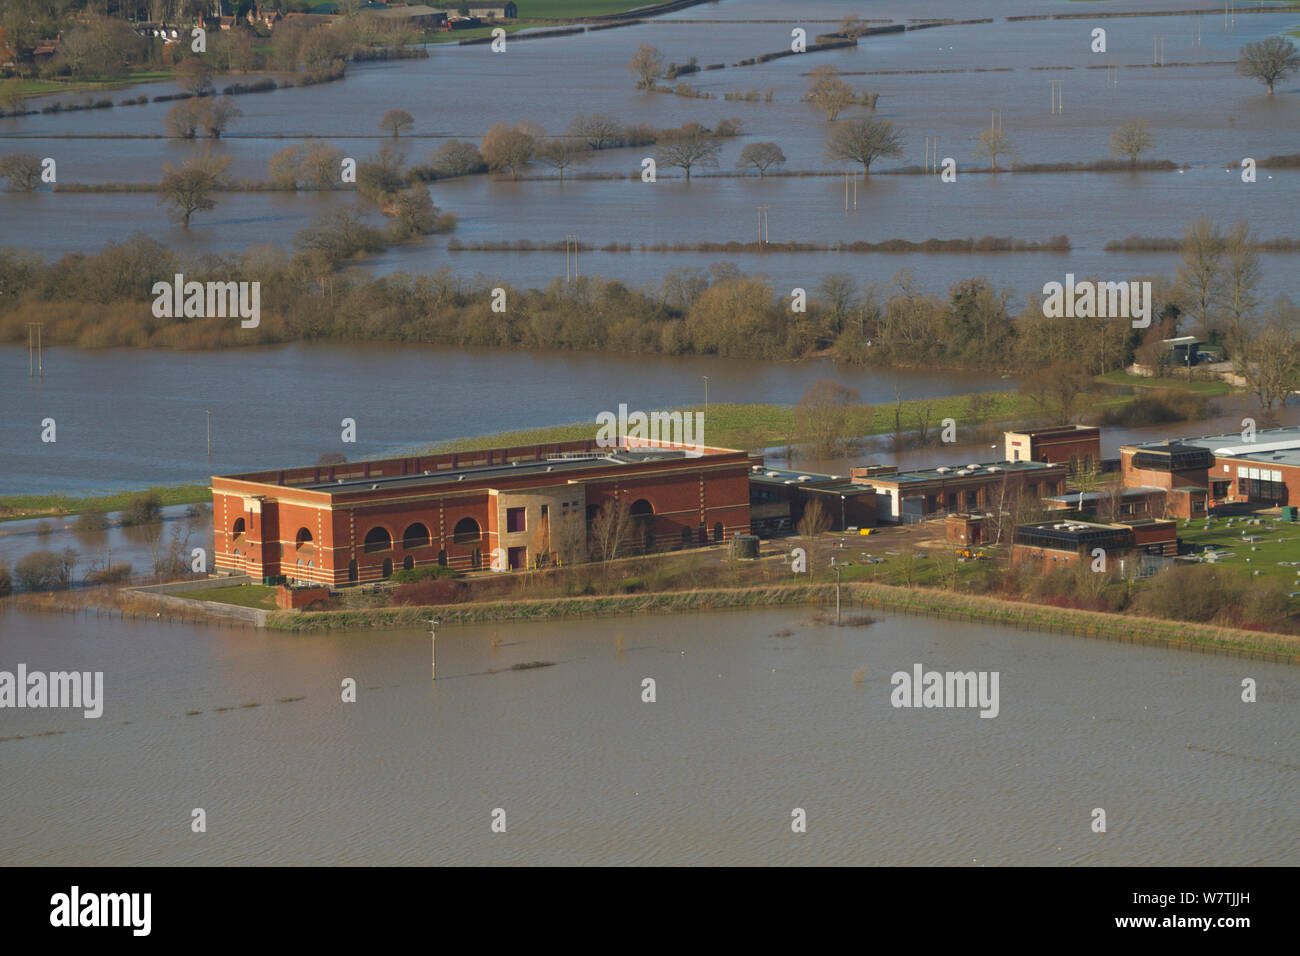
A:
[762,225]
[837,593]
[570,241]
[706,396]
[433,646]
[1058,97]
[34,338]
[1157,51]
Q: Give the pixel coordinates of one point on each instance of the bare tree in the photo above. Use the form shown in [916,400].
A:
[183,120]
[692,145]
[1241,269]
[1270,359]
[864,141]
[761,156]
[647,64]
[194,75]
[21,170]
[828,91]
[1058,389]
[396,122]
[188,188]
[609,528]
[1132,139]
[994,143]
[216,115]
[822,416]
[560,153]
[1199,274]
[597,130]
[511,147]
[1268,60]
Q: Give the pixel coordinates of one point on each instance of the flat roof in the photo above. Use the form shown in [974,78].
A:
[985,470]
[783,476]
[1137,491]
[451,476]
[1271,445]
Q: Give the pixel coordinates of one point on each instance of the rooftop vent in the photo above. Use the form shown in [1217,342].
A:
[973,467]
[943,469]
[373,487]
[771,474]
[805,477]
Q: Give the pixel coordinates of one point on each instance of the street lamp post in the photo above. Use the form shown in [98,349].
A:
[706,396]
[843,525]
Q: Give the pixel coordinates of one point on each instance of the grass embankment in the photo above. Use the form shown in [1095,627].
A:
[242,595]
[1199,387]
[711,599]
[27,88]
[17,507]
[994,611]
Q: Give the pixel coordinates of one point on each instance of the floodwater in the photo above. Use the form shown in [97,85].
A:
[1203,115]
[746,727]
[132,418]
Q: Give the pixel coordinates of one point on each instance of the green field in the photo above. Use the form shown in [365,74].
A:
[1120,377]
[752,426]
[18,507]
[243,595]
[1279,541]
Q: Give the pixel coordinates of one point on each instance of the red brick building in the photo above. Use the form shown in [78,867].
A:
[499,509]
[1078,446]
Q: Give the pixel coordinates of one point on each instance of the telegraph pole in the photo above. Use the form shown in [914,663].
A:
[570,241]
[34,339]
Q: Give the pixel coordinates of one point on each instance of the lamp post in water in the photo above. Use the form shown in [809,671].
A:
[433,646]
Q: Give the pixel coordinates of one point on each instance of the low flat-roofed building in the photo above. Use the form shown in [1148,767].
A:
[418,15]
[1112,504]
[778,499]
[1078,446]
[1135,548]
[909,496]
[499,509]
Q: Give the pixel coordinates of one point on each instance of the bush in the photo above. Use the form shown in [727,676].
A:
[118,573]
[423,574]
[6,581]
[44,529]
[143,509]
[431,591]
[46,570]
[92,521]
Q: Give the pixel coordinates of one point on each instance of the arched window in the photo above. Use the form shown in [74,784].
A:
[642,515]
[415,536]
[388,568]
[466,531]
[237,529]
[717,533]
[408,563]
[303,539]
[378,539]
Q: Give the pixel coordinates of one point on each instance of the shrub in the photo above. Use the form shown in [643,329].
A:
[92,521]
[118,573]
[431,591]
[423,574]
[44,529]
[143,509]
[46,570]
[6,581]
